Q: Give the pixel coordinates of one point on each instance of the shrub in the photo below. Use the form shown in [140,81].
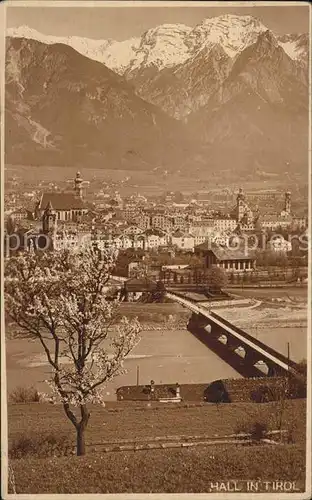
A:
[302,367]
[292,432]
[22,447]
[297,387]
[25,395]
[258,431]
[279,389]
[216,278]
[44,445]
[262,395]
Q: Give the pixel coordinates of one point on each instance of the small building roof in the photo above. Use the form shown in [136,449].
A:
[140,281]
[180,234]
[154,232]
[140,285]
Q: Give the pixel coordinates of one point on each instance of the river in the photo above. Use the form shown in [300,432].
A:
[170,356]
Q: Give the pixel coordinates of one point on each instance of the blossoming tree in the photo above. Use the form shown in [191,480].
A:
[61,300]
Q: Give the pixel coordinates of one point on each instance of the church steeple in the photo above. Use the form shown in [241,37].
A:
[287,202]
[78,184]
[49,219]
[240,195]
[240,205]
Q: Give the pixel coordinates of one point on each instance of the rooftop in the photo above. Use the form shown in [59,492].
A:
[154,232]
[61,201]
[226,253]
[275,218]
[180,234]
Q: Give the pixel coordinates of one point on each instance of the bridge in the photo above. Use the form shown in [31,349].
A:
[247,355]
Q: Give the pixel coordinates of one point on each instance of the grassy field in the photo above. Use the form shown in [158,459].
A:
[121,420]
[168,470]
[160,471]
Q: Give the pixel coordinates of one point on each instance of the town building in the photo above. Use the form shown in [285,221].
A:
[133,230]
[221,238]
[129,213]
[231,260]
[161,221]
[183,241]
[74,239]
[143,220]
[21,214]
[246,228]
[242,212]
[284,219]
[275,221]
[154,238]
[299,223]
[224,224]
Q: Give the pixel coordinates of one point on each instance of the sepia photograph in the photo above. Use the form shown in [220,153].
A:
[155,246]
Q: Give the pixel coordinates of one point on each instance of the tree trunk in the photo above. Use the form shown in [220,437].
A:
[81,445]
[81,427]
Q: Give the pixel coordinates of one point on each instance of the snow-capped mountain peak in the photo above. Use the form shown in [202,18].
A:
[163,46]
[295,45]
[115,55]
[233,33]
[94,49]
[24,32]
[170,45]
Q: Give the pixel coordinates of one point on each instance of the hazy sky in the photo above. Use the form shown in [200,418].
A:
[125,22]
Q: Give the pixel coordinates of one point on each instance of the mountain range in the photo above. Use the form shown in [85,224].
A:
[227,92]
[65,109]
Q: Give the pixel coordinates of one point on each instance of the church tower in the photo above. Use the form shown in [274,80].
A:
[287,202]
[49,220]
[78,185]
[240,195]
[240,206]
